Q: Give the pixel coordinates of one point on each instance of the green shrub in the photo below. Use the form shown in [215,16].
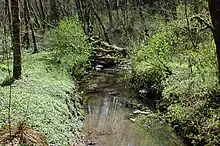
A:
[185,76]
[187,95]
[70,45]
[150,62]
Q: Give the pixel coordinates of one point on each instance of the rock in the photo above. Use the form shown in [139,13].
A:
[132,120]
[91,143]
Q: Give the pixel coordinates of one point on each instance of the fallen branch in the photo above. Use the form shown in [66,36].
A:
[202,21]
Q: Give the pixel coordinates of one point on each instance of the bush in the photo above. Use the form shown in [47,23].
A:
[70,45]
[185,77]
[149,62]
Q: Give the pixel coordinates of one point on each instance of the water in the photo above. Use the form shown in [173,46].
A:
[107,122]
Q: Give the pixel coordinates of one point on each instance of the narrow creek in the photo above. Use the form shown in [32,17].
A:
[107,122]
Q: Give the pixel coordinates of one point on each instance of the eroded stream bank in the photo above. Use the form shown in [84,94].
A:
[108,120]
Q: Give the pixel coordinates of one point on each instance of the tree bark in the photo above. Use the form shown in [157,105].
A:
[5,29]
[102,25]
[33,12]
[109,13]
[43,15]
[34,39]
[214,8]
[27,22]
[54,12]
[16,42]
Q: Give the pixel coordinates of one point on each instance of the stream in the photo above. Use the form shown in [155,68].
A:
[107,122]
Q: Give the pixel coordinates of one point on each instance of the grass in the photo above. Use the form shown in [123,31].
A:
[41,97]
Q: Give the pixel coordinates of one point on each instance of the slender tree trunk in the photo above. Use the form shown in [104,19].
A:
[8,3]
[27,22]
[31,26]
[16,42]
[4,42]
[79,10]
[214,7]
[33,38]
[34,14]
[109,13]
[54,12]
[80,14]
[117,9]
[102,25]
[43,15]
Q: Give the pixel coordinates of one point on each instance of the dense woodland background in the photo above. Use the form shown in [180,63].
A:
[173,47]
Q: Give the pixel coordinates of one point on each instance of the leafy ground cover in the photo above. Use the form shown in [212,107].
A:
[46,96]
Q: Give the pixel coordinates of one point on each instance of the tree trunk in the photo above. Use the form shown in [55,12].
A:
[102,25]
[79,10]
[34,39]
[16,42]
[27,22]
[54,12]
[30,6]
[109,13]
[214,8]
[5,30]
[43,15]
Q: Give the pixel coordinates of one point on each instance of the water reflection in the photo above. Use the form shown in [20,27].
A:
[106,123]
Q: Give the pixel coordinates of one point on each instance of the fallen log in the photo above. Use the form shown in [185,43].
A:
[103,44]
[104,50]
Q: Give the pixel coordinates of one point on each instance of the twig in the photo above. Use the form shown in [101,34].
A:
[202,21]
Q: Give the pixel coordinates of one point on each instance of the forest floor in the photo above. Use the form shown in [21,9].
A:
[45,98]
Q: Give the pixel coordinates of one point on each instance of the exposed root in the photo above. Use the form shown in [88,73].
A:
[21,133]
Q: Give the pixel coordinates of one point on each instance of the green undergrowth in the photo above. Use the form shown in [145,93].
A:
[46,96]
[41,98]
[182,78]
[70,45]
